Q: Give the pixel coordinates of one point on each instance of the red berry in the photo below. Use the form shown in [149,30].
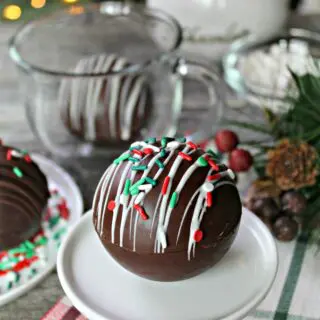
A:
[240,160]
[226,140]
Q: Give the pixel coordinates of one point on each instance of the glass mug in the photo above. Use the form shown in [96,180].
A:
[99,77]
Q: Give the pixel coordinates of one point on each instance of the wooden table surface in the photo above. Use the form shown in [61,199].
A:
[15,130]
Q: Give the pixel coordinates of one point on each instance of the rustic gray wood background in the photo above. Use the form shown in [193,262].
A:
[14,129]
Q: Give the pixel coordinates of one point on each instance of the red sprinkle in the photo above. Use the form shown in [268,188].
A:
[214,177]
[165,185]
[63,204]
[209,199]
[141,211]
[3,254]
[21,265]
[185,156]
[192,145]
[9,155]
[198,235]
[147,151]
[3,272]
[111,205]
[33,259]
[27,158]
[138,152]
[24,264]
[64,213]
[212,164]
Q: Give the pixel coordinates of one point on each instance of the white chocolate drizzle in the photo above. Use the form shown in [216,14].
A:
[117,98]
[126,201]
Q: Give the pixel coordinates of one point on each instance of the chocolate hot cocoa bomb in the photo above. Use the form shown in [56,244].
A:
[23,197]
[109,109]
[166,211]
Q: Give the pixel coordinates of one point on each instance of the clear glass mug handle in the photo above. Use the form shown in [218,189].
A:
[183,69]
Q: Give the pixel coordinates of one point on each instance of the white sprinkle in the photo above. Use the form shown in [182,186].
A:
[173,145]
[16,154]
[231,174]
[124,200]
[207,187]
[137,144]
[139,198]
[145,187]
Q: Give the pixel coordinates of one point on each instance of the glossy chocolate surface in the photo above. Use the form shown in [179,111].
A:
[135,249]
[23,197]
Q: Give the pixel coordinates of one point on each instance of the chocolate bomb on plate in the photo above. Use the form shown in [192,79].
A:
[104,110]
[23,197]
[166,210]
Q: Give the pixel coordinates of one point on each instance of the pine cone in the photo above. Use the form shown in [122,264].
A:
[292,165]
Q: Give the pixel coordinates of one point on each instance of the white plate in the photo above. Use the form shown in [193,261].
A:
[101,289]
[61,180]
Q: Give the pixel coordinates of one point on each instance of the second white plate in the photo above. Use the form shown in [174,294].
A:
[101,289]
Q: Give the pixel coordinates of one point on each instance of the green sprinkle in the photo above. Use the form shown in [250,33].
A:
[138,184]
[151,181]
[29,245]
[42,241]
[202,162]
[126,190]
[160,164]
[122,158]
[163,153]
[24,151]
[34,271]
[134,191]
[20,249]
[182,139]
[132,159]
[10,284]
[211,153]
[16,277]
[8,264]
[17,172]
[29,254]
[139,168]
[173,200]
[53,221]
[59,233]
[164,141]
[151,140]
[5,265]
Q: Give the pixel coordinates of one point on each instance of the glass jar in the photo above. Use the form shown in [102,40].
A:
[97,79]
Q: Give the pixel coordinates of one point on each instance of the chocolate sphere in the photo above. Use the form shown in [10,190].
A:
[166,211]
[105,109]
[293,202]
[285,228]
[266,208]
[23,197]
